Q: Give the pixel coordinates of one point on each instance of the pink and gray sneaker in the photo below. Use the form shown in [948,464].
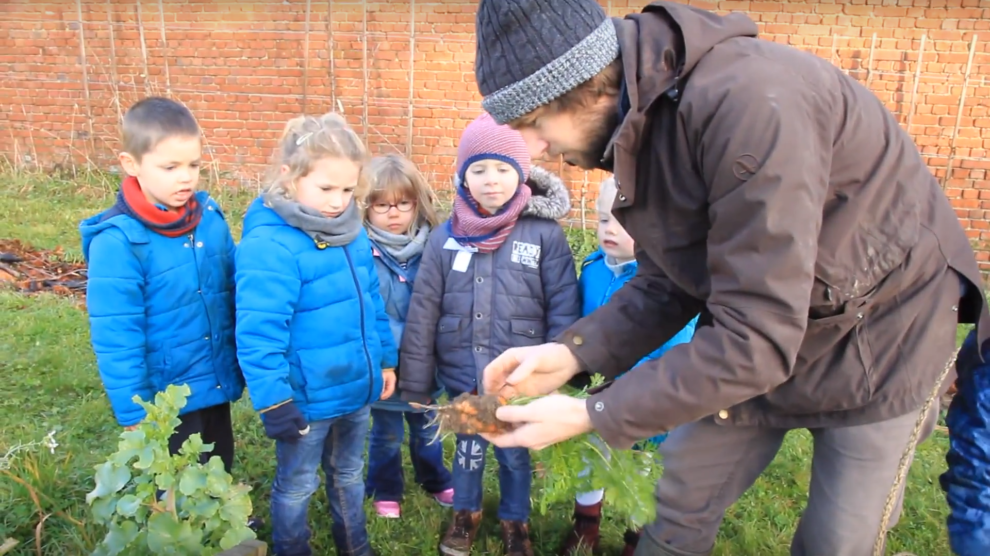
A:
[387,509]
[445,498]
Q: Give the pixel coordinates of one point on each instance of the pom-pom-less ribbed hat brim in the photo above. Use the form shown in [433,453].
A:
[582,62]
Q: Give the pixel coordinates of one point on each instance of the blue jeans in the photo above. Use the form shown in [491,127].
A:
[338,445]
[514,478]
[385,475]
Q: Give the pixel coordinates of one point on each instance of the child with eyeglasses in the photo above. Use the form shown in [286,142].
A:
[399,218]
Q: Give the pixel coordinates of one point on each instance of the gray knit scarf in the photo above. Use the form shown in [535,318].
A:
[402,247]
[335,232]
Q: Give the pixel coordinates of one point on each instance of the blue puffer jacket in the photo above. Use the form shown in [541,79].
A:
[311,325]
[161,310]
[396,285]
[967,482]
[599,280]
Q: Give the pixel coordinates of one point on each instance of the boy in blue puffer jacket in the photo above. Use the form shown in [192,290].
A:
[160,293]
[313,337]
[602,273]
[967,482]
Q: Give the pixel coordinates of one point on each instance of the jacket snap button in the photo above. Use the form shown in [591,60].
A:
[599,406]
[859,316]
[477,315]
[723,414]
[199,244]
[955,308]
[531,331]
[477,349]
[211,208]
[185,245]
[622,198]
[479,279]
[578,340]
[206,338]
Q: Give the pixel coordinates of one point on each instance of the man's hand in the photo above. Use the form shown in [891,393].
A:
[130,427]
[388,378]
[543,422]
[530,371]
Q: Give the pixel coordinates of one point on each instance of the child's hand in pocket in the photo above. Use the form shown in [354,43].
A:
[388,378]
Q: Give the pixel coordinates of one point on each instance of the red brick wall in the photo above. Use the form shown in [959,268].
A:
[69,68]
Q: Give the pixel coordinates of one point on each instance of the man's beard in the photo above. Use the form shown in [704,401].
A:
[600,129]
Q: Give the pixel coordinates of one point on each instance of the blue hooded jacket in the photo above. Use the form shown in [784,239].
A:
[967,481]
[396,286]
[161,310]
[599,281]
[311,324]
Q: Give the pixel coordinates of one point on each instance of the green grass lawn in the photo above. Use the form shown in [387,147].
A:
[50,382]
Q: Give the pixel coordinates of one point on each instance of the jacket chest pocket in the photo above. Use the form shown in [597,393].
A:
[527,332]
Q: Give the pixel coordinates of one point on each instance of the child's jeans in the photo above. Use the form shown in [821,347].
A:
[338,445]
[385,475]
[514,478]
[214,427]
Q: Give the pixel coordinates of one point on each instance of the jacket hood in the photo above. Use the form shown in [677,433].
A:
[259,216]
[550,201]
[134,231]
[664,43]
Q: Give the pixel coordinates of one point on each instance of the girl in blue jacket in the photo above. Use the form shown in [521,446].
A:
[602,274]
[399,218]
[313,338]
[160,293]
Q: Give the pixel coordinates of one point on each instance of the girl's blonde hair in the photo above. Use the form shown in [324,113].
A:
[307,139]
[393,177]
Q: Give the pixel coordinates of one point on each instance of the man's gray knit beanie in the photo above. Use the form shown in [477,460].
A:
[532,51]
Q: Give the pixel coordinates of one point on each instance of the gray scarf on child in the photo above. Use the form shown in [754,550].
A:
[335,232]
[402,247]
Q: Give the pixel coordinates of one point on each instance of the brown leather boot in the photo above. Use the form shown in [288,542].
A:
[585,533]
[460,535]
[632,539]
[515,538]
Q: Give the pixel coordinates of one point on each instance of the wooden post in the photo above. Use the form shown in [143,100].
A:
[85,75]
[364,66]
[305,77]
[869,64]
[917,79]
[333,79]
[144,49]
[161,21]
[113,65]
[412,73]
[959,111]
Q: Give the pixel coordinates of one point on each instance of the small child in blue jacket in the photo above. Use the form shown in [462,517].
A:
[967,481]
[399,218]
[160,293]
[602,273]
[313,337]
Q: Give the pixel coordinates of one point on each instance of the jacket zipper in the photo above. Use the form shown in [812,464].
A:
[202,299]
[364,338]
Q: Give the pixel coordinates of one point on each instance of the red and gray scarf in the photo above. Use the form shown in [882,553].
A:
[472,226]
[132,202]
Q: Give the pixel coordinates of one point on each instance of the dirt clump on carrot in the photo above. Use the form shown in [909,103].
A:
[470,414]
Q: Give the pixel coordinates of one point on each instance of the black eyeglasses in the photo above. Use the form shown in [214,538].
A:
[403,206]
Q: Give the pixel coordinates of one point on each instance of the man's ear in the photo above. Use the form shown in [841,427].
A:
[129,164]
[284,169]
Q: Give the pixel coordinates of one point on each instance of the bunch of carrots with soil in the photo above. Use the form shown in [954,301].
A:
[562,470]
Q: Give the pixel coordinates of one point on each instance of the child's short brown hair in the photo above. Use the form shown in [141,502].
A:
[152,120]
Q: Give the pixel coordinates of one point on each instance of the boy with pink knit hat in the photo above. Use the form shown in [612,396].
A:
[499,274]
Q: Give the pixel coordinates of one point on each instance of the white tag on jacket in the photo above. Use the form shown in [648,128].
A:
[461,261]
[452,245]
